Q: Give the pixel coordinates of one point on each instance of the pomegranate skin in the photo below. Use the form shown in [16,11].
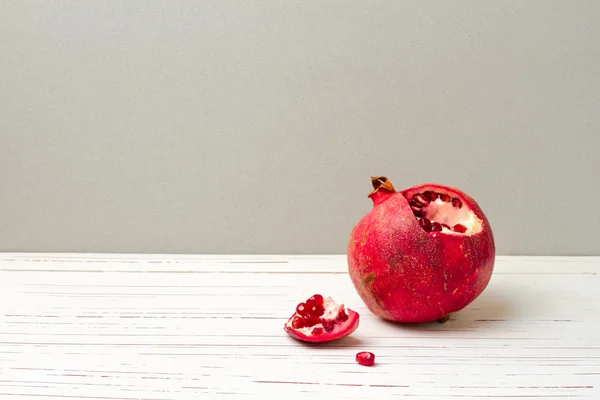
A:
[405,274]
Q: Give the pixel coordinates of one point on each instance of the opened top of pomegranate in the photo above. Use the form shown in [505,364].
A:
[320,319]
[441,209]
[420,253]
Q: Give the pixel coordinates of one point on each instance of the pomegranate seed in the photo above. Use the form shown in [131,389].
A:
[328,325]
[297,322]
[301,309]
[310,320]
[315,299]
[446,226]
[456,203]
[430,195]
[419,200]
[365,358]
[425,222]
[317,310]
[459,228]
[317,331]
[444,197]
[419,213]
[435,227]
[342,316]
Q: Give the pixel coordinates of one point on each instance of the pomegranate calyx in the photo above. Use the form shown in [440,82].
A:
[382,189]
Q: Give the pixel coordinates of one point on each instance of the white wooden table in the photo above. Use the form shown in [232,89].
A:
[112,327]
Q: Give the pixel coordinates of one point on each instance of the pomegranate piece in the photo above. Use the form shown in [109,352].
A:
[321,320]
[420,253]
[365,358]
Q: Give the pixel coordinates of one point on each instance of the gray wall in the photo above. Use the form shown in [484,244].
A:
[253,127]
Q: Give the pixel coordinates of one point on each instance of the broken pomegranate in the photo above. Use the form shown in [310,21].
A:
[420,253]
[321,319]
[365,358]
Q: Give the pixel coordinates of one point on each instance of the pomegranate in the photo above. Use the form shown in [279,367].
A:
[365,358]
[321,319]
[421,253]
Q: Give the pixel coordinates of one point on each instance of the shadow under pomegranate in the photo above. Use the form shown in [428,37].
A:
[490,309]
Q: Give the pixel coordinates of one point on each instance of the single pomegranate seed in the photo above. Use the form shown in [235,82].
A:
[310,320]
[459,228]
[430,195]
[301,309]
[315,299]
[456,203]
[342,316]
[317,331]
[328,325]
[415,209]
[446,226]
[419,213]
[365,358]
[297,322]
[419,200]
[317,310]
[444,197]
[435,227]
[425,224]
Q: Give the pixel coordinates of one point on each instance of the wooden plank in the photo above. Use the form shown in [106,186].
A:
[184,327]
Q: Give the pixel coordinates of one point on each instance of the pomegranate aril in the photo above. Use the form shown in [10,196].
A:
[317,331]
[419,200]
[315,299]
[446,226]
[328,325]
[415,208]
[342,316]
[419,213]
[301,308]
[430,196]
[365,358]
[425,224]
[456,203]
[435,227]
[459,228]
[310,320]
[297,322]
[444,197]
[317,310]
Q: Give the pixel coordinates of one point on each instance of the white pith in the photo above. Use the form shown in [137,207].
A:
[445,213]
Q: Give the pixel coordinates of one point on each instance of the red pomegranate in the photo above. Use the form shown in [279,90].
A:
[420,253]
[320,320]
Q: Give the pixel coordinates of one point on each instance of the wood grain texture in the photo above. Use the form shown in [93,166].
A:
[124,327]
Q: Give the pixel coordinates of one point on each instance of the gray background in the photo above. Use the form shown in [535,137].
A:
[253,127]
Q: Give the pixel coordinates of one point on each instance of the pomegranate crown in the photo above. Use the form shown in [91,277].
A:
[382,189]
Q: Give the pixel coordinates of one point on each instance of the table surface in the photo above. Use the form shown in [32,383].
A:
[112,327]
